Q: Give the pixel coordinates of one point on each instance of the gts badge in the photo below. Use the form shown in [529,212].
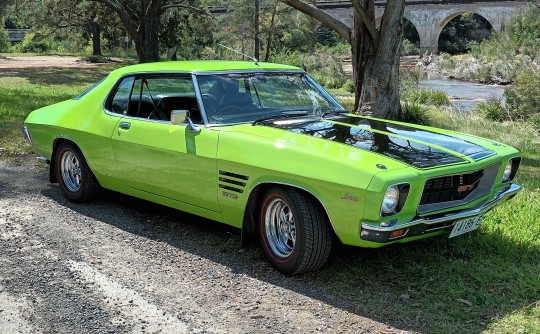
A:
[348,197]
[229,195]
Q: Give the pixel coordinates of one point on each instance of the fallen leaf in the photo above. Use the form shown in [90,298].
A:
[415,304]
[464,301]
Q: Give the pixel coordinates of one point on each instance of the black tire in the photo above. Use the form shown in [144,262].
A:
[308,248]
[76,180]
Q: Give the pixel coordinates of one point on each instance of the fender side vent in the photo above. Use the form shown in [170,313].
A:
[236,176]
[233,182]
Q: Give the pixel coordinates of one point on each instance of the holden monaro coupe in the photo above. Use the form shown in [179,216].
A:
[264,148]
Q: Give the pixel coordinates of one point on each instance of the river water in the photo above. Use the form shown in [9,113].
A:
[463,95]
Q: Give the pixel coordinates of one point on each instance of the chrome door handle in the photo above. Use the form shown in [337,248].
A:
[125,125]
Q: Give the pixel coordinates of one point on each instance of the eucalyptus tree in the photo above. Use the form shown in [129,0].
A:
[142,19]
[76,14]
[375,52]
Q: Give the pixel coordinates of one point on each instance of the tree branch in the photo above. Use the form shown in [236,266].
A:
[181,5]
[370,26]
[320,15]
[131,26]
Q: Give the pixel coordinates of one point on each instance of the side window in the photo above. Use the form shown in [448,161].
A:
[119,103]
[156,97]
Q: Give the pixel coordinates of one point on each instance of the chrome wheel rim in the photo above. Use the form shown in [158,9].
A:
[280,228]
[70,169]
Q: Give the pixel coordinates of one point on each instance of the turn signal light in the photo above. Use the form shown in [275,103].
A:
[398,233]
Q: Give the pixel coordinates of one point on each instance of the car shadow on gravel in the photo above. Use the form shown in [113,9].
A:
[430,286]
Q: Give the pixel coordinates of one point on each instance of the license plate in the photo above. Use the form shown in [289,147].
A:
[465,225]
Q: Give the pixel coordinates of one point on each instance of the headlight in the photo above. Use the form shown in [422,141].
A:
[507,171]
[390,200]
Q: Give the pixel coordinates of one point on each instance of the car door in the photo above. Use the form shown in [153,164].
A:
[153,156]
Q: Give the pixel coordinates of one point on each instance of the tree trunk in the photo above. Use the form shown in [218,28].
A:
[270,33]
[375,54]
[376,62]
[146,41]
[257,40]
[95,29]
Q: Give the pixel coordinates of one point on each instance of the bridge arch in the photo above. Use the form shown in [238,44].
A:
[444,23]
[430,16]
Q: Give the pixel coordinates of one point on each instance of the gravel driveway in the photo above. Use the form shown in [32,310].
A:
[124,265]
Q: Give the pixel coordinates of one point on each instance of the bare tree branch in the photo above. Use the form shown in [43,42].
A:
[124,15]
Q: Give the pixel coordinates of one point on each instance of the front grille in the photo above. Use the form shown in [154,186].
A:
[450,188]
[449,191]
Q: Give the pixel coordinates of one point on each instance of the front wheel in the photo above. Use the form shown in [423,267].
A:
[76,180]
[294,230]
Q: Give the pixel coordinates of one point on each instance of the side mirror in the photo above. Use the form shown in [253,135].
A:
[179,117]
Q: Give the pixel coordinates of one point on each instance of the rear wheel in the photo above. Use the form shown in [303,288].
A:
[76,180]
[294,230]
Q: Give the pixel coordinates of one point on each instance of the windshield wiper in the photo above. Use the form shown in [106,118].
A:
[279,116]
[334,112]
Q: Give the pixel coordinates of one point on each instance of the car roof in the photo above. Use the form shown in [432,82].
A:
[201,66]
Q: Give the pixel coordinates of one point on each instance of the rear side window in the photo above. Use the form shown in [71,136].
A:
[120,102]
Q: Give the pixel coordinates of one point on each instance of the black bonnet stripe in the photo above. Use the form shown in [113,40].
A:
[451,143]
[411,152]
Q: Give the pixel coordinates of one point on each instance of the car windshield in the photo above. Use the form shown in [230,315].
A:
[254,97]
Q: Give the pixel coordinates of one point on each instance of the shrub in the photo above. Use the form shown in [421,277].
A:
[535,121]
[524,97]
[414,112]
[4,40]
[426,96]
[287,57]
[409,48]
[36,41]
[349,86]
[492,109]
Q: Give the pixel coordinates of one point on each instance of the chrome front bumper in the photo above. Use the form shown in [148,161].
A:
[427,224]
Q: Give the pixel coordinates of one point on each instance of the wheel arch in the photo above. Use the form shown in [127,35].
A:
[53,178]
[249,225]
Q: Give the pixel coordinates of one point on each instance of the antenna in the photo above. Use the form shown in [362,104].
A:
[240,53]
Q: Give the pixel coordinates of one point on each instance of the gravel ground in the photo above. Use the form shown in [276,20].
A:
[124,265]
[20,62]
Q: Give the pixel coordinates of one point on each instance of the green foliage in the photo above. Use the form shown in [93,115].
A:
[408,48]
[492,109]
[414,112]
[187,30]
[349,86]
[293,58]
[524,97]
[340,50]
[39,41]
[323,67]
[535,121]
[4,41]
[426,96]
[457,35]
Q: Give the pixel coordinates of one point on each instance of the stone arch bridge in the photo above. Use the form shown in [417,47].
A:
[431,16]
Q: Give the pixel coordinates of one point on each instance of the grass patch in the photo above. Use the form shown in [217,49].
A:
[24,90]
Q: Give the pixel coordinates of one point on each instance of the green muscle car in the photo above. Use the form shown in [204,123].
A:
[264,148]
